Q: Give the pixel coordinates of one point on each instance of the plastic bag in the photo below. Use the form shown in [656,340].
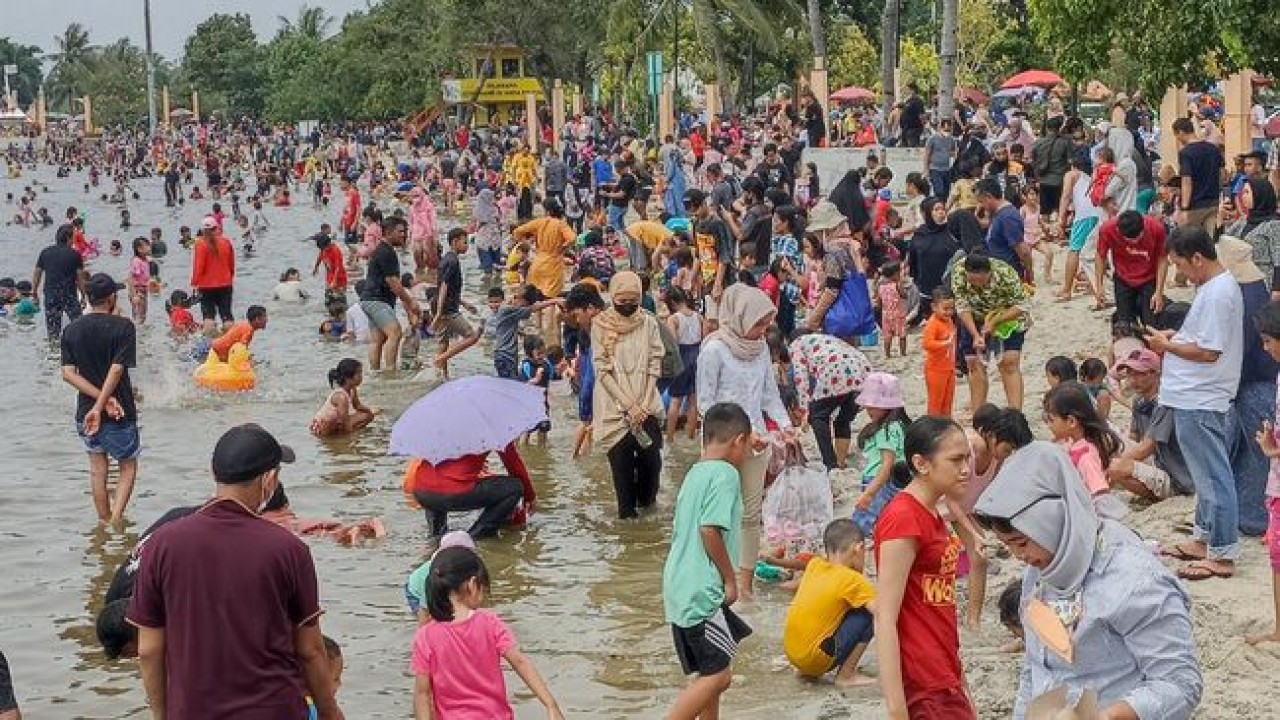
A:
[797,509]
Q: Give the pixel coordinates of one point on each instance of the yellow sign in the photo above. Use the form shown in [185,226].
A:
[496,90]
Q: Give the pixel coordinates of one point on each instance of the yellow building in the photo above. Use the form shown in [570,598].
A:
[497,84]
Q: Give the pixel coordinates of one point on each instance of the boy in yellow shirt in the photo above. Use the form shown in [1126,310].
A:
[829,624]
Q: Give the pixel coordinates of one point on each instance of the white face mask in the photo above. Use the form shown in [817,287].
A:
[266,496]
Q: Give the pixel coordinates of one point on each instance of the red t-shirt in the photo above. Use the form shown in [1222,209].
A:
[928,636]
[1134,260]
[335,271]
[229,589]
[351,212]
[181,319]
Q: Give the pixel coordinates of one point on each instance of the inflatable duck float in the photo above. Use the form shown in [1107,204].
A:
[234,375]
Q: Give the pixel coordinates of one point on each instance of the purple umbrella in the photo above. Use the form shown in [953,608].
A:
[468,416]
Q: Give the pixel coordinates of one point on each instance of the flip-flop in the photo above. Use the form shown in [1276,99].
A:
[1178,553]
[1201,570]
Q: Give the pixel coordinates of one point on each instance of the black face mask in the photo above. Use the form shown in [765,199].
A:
[626,309]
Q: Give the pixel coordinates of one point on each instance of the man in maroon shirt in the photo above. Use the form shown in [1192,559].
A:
[227,605]
[1135,243]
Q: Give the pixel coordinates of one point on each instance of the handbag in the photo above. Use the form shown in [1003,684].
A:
[851,314]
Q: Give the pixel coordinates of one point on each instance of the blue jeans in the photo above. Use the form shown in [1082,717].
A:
[857,628]
[940,184]
[1203,436]
[617,217]
[1255,402]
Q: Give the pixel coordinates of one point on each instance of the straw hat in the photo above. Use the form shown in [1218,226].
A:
[1236,256]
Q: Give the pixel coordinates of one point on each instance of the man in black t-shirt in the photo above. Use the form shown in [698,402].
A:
[773,170]
[381,288]
[620,196]
[1200,163]
[449,323]
[62,270]
[912,121]
[97,351]
[757,225]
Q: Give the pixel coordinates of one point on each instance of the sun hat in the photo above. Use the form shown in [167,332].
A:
[881,391]
[1140,361]
[454,539]
[825,216]
[209,224]
[1236,256]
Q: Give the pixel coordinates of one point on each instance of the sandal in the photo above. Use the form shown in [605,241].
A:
[1203,570]
[1178,552]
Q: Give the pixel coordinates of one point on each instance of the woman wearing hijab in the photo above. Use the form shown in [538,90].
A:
[842,262]
[1123,185]
[1260,227]
[488,220]
[422,232]
[1099,610]
[848,199]
[735,366]
[626,352]
[931,251]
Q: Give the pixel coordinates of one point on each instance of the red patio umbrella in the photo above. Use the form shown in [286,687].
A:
[977,96]
[852,94]
[1032,78]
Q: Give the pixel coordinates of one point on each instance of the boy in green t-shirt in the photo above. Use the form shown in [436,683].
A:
[699,582]
[415,590]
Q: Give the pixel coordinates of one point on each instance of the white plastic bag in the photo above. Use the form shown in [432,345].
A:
[797,509]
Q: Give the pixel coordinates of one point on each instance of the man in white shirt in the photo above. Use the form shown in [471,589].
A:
[358,323]
[1199,378]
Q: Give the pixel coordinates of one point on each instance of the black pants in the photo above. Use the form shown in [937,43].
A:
[911,137]
[1134,302]
[495,497]
[636,470]
[170,194]
[524,208]
[844,408]
[56,303]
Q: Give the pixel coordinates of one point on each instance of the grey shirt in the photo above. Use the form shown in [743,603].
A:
[506,331]
[557,175]
[1133,641]
[941,149]
[1150,420]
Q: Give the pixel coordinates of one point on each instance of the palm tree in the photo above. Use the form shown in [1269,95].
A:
[815,29]
[950,33]
[312,23]
[69,62]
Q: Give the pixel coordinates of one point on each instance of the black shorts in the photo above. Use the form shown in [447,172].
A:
[216,303]
[709,647]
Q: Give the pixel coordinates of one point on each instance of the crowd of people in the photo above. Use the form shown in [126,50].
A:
[706,283]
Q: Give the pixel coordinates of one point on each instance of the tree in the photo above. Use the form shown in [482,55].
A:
[116,77]
[223,55]
[26,84]
[815,28]
[889,52]
[947,90]
[312,22]
[854,59]
[69,62]
[920,64]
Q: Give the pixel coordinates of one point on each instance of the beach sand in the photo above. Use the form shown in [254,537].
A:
[1239,680]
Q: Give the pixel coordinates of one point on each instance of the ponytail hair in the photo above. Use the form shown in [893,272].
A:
[346,369]
[451,569]
[921,439]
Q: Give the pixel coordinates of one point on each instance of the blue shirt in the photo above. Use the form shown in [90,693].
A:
[601,171]
[1005,235]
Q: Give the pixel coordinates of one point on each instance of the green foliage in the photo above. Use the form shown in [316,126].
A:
[919,62]
[853,60]
[223,55]
[69,66]
[26,84]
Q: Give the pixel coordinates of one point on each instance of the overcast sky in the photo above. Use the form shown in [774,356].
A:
[37,22]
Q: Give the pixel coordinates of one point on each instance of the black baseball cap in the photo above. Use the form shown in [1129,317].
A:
[246,451]
[99,287]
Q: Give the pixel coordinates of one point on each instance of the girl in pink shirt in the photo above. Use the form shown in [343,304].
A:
[456,656]
[1076,426]
[139,280]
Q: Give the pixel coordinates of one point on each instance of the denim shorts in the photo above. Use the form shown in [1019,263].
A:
[118,439]
[855,629]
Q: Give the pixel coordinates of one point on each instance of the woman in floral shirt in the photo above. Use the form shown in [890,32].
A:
[828,374]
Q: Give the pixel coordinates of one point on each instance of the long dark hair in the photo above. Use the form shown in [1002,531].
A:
[1072,400]
[346,369]
[921,438]
[869,430]
[451,568]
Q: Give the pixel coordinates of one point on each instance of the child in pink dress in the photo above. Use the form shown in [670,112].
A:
[456,657]
[893,308]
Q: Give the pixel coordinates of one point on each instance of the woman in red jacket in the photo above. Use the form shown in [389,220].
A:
[213,272]
[462,484]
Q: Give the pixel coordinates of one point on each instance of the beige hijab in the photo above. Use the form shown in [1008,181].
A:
[741,307]
[613,323]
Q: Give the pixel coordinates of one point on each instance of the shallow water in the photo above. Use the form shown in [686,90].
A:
[581,590]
